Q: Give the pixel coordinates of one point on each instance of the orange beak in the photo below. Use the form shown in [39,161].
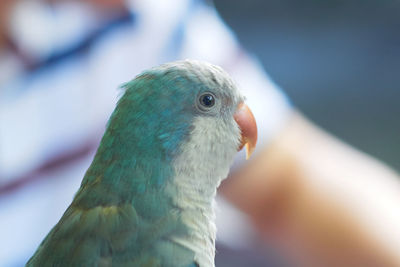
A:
[248,127]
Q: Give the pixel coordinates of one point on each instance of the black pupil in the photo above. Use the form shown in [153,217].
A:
[207,100]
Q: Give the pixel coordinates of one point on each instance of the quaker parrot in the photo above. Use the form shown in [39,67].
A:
[147,199]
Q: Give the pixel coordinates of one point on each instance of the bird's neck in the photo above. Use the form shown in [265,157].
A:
[197,214]
[197,174]
[194,187]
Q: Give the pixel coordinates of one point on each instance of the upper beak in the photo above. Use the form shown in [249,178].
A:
[248,127]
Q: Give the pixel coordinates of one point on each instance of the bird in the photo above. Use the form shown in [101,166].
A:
[147,199]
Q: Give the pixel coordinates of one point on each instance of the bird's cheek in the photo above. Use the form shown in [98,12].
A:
[248,127]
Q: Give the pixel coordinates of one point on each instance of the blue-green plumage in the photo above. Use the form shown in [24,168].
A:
[123,214]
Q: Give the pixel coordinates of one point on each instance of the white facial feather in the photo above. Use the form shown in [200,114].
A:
[199,172]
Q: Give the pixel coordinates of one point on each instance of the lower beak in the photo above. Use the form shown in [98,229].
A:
[248,127]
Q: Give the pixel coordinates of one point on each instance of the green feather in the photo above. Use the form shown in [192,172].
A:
[121,212]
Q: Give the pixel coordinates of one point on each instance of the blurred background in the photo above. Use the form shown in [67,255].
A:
[338,61]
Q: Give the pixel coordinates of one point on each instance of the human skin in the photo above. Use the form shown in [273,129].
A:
[314,198]
[5,8]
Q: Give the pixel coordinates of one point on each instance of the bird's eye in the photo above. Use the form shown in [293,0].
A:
[207,100]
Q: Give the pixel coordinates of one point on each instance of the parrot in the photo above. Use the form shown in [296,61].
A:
[148,197]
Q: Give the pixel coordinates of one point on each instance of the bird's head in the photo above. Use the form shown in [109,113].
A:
[187,113]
